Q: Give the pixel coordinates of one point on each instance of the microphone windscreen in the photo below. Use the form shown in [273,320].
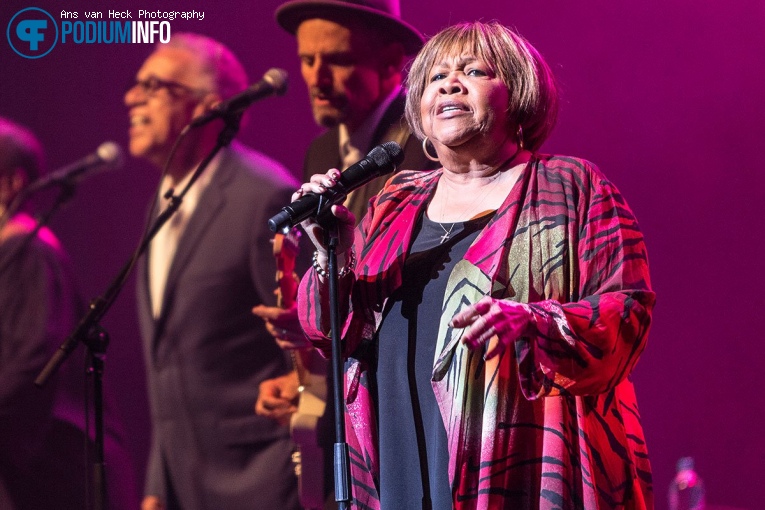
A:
[278,80]
[394,151]
[111,154]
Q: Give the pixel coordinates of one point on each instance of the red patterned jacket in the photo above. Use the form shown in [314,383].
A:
[553,423]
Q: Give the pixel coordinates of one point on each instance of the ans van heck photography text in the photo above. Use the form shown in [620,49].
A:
[127,26]
[129,14]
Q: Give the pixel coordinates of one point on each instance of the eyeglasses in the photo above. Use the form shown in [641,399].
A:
[152,85]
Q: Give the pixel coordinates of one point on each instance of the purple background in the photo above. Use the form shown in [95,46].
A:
[665,96]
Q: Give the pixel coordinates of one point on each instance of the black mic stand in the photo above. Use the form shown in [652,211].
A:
[95,338]
[341,455]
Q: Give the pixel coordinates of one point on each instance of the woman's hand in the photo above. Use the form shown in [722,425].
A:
[489,317]
[318,184]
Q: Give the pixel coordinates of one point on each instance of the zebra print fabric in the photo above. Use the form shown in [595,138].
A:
[554,422]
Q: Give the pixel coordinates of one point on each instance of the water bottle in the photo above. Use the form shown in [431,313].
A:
[686,492]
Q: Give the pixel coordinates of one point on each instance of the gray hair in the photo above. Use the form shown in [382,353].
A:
[217,60]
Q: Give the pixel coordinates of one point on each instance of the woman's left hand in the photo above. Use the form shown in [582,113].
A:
[506,319]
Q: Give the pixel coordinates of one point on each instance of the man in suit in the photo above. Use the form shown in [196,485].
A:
[352,55]
[43,434]
[205,352]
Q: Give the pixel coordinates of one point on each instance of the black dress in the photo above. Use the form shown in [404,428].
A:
[413,446]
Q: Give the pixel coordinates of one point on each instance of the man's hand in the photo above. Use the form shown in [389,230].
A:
[152,503]
[283,325]
[278,398]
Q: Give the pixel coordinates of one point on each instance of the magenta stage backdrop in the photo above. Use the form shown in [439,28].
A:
[666,96]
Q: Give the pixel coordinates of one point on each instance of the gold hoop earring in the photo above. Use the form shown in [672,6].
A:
[425,150]
[519,136]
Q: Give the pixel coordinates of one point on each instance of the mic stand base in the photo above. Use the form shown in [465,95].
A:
[97,342]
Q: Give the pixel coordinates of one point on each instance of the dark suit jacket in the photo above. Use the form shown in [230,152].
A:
[42,430]
[206,353]
[324,153]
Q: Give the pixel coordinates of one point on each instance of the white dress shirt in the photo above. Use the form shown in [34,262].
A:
[163,246]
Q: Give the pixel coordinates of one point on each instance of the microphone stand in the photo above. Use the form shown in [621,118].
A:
[91,333]
[341,456]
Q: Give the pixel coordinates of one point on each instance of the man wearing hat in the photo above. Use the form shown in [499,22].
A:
[352,55]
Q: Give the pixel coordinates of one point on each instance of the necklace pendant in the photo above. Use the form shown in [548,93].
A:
[444,237]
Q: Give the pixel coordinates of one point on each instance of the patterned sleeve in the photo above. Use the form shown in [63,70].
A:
[361,290]
[381,239]
[589,345]
[313,309]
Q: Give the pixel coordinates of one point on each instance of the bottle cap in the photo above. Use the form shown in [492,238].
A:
[685,464]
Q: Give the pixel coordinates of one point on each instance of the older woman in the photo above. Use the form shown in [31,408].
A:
[494,309]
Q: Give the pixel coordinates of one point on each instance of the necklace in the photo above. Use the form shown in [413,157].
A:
[489,188]
[447,233]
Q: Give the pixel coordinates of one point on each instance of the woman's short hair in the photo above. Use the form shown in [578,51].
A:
[533,103]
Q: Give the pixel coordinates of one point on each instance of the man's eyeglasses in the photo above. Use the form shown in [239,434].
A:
[152,85]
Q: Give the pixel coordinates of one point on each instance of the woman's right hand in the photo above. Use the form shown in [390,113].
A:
[318,184]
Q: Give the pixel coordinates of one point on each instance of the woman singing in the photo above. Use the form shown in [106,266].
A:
[494,309]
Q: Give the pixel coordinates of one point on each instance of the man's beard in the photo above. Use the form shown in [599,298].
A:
[332,114]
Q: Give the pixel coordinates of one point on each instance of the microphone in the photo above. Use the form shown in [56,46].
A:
[108,155]
[381,160]
[274,82]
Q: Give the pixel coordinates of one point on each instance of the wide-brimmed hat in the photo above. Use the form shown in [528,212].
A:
[386,13]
